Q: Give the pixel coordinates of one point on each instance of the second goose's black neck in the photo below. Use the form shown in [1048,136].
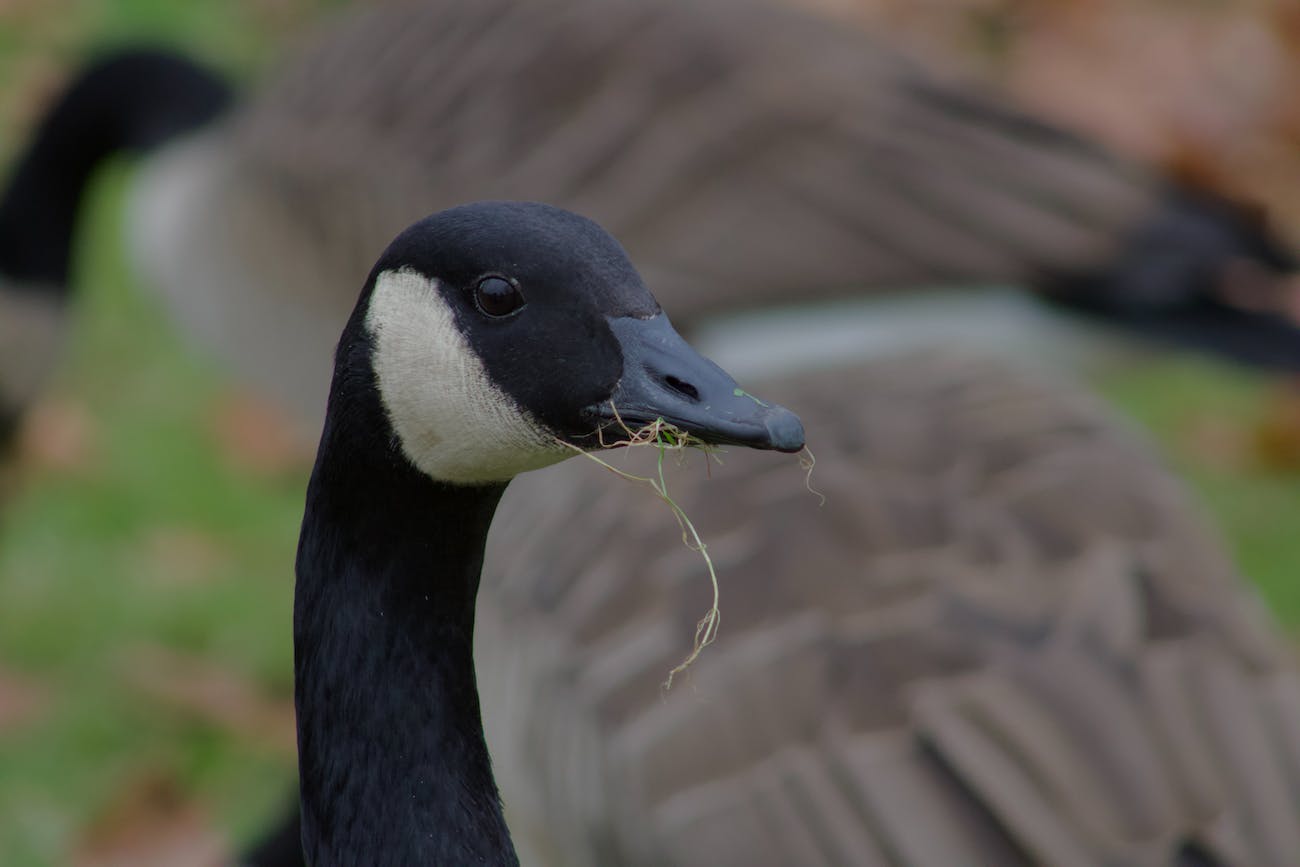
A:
[127,102]
[393,764]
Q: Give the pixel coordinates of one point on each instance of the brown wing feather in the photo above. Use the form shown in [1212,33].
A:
[721,140]
[1007,638]
[746,154]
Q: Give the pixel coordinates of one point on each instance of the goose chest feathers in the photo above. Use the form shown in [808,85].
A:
[486,338]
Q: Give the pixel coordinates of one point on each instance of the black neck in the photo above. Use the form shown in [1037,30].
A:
[393,765]
[128,102]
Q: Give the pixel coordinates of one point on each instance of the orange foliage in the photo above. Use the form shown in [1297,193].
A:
[1205,90]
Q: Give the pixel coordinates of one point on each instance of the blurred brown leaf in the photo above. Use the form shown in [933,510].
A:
[283,17]
[179,555]
[58,434]
[1212,441]
[213,694]
[257,437]
[1276,445]
[22,701]
[151,823]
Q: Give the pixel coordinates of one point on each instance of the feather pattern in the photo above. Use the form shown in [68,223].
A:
[1007,638]
[714,138]
[744,153]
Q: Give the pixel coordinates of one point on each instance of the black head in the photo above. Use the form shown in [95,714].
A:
[496,328]
[129,101]
[1206,273]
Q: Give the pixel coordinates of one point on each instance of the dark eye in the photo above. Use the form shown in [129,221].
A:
[497,296]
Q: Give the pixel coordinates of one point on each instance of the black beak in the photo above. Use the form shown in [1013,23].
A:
[663,377]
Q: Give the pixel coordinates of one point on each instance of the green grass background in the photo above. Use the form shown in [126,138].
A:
[73,594]
[74,598]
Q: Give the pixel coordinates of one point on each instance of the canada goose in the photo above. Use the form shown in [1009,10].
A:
[746,153]
[129,104]
[273,192]
[487,340]
[126,104]
[1007,638]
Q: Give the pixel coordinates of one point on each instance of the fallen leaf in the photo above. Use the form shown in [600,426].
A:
[282,17]
[22,701]
[213,694]
[1217,443]
[1276,441]
[179,555]
[258,437]
[151,823]
[58,434]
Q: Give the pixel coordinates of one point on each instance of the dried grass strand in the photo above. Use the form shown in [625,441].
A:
[668,437]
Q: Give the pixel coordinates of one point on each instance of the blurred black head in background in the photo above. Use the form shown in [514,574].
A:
[1206,273]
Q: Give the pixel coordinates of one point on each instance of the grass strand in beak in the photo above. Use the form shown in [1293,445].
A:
[668,437]
[807,461]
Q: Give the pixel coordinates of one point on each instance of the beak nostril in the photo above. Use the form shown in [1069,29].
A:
[683,388]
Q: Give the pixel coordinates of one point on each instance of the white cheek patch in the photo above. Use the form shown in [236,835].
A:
[453,422]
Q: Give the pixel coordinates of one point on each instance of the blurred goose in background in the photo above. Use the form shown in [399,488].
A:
[747,154]
[129,104]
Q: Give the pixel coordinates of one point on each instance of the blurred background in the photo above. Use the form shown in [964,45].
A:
[146,555]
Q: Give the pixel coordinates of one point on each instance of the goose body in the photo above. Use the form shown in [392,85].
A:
[745,153]
[782,160]
[1007,638]
[488,340]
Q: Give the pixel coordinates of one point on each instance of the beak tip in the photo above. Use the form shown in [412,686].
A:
[784,431]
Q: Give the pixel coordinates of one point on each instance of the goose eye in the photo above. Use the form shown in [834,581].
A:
[497,296]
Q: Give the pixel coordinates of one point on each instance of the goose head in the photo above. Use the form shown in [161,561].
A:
[499,334]
[490,339]
[1205,274]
